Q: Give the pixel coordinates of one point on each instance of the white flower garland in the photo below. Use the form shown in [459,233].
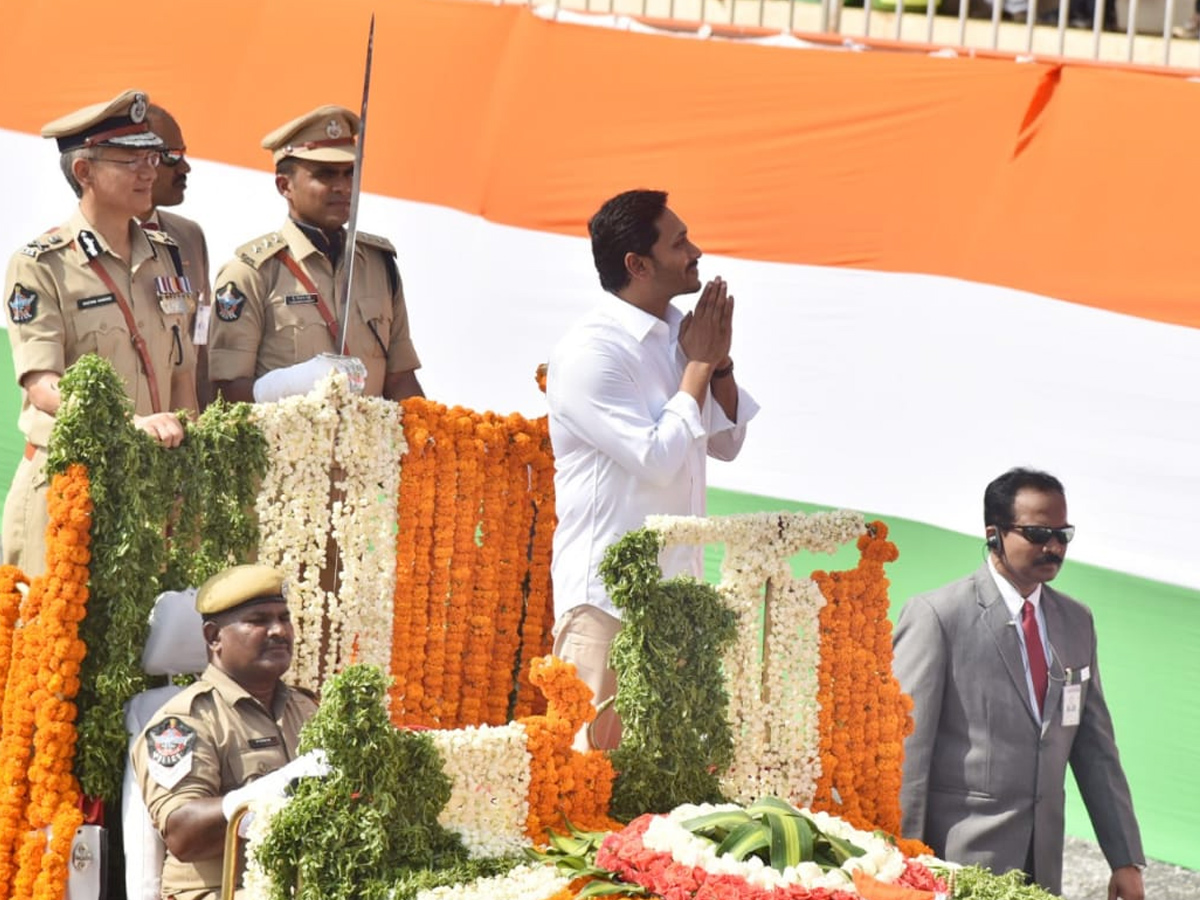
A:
[489,799]
[369,446]
[773,710]
[666,834]
[256,883]
[528,882]
[293,512]
[309,439]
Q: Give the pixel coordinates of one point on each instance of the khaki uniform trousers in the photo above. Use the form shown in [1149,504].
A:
[26,515]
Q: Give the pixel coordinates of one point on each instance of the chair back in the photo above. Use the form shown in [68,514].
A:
[175,646]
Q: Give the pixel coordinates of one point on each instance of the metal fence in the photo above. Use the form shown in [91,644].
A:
[1144,33]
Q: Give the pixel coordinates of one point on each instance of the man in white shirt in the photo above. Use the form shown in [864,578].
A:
[639,394]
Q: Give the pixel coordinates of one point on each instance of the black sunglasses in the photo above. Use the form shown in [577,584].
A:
[1041,534]
[172,156]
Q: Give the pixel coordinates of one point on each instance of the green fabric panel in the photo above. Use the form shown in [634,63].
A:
[12,442]
[1149,634]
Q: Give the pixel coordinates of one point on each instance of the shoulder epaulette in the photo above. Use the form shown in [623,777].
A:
[256,252]
[49,240]
[305,691]
[181,703]
[374,240]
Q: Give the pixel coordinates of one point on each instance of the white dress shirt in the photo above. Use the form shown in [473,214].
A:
[1014,601]
[627,443]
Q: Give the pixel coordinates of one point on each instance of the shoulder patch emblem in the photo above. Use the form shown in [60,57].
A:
[22,305]
[170,745]
[229,302]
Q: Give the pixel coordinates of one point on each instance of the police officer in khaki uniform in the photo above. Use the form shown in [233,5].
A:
[276,305]
[231,736]
[170,184]
[96,284]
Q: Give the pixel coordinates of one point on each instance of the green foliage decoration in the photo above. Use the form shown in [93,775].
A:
[574,856]
[774,831]
[670,689]
[369,830]
[141,491]
[976,883]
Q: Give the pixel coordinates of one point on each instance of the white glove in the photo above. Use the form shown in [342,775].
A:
[303,377]
[312,764]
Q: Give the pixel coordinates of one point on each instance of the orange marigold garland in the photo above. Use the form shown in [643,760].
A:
[17,743]
[414,542]
[12,580]
[38,749]
[538,621]
[461,605]
[496,578]
[54,792]
[472,575]
[864,716]
[564,783]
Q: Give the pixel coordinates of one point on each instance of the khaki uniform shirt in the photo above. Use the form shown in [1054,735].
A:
[265,318]
[206,741]
[59,309]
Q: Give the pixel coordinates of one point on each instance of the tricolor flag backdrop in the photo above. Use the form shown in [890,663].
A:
[943,267]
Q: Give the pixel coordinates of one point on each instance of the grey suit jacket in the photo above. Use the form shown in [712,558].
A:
[983,783]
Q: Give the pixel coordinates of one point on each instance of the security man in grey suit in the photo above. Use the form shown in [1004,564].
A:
[1006,692]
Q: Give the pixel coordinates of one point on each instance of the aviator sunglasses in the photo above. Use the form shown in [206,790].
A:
[1041,534]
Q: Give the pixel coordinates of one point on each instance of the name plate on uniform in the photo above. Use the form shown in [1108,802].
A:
[297,299]
[93,302]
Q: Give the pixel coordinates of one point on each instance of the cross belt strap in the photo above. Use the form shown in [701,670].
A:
[139,342]
[302,277]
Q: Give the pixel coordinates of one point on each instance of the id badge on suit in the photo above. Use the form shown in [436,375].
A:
[1072,697]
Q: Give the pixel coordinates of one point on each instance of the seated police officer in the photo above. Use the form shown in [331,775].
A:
[231,736]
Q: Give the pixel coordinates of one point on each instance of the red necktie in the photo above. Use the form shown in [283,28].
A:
[1037,656]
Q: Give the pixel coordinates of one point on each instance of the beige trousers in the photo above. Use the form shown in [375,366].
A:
[582,636]
[26,516]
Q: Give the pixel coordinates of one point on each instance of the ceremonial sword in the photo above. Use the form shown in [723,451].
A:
[347,273]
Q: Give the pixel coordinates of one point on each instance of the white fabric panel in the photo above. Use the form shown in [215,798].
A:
[896,394]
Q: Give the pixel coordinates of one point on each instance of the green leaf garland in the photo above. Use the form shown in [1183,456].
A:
[202,491]
[369,830]
[670,690]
